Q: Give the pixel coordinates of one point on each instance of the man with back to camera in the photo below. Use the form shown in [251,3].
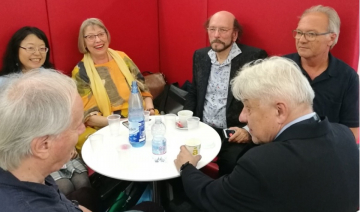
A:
[41,118]
[335,83]
[303,162]
[209,96]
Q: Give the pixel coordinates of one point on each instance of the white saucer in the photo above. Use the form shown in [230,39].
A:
[208,145]
[180,128]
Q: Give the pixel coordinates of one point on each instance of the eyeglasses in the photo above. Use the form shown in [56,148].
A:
[212,30]
[32,50]
[93,37]
[310,36]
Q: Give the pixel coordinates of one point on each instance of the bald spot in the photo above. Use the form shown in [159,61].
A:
[222,17]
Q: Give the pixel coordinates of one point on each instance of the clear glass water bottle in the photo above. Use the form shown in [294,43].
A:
[136,118]
[159,141]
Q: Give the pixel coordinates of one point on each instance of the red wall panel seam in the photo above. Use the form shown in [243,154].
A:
[207,14]
[50,36]
[158,37]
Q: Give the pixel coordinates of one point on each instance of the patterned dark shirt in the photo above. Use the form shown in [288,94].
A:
[217,89]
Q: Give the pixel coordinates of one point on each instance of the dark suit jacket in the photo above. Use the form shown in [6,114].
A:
[201,72]
[312,166]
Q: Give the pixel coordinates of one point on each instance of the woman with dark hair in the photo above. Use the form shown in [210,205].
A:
[27,49]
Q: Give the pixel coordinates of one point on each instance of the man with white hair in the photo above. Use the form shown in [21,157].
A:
[303,162]
[335,83]
[41,118]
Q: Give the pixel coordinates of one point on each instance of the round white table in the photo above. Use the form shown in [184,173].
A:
[137,164]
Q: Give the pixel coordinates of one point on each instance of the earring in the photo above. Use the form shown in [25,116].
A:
[16,64]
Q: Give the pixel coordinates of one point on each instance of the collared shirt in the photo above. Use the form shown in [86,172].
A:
[217,89]
[1,80]
[301,118]
[336,91]
[18,195]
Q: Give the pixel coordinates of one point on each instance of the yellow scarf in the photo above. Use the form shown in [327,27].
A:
[97,85]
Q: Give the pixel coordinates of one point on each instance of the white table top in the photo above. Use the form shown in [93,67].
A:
[137,164]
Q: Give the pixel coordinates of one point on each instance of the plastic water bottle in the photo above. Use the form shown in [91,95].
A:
[136,118]
[159,141]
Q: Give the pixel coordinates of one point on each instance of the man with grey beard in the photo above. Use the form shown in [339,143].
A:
[209,96]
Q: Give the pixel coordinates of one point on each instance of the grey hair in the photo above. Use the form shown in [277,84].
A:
[273,78]
[333,17]
[86,23]
[38,103]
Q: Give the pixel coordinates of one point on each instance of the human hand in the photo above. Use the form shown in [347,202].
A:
[185,156]
[152,112]
[240,135]
[74,154]
[84,209]
[149,105]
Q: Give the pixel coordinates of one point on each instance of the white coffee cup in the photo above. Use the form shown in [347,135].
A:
[193,145]
[183,116]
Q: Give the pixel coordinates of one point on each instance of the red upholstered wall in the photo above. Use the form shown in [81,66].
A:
[19,13]
[267,25]
[181,33]
[133,26]
[162,35]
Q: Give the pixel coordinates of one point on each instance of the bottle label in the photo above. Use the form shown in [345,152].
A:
[137,131]
[159,146]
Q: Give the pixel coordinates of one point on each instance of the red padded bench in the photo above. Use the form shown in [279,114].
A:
[211,169]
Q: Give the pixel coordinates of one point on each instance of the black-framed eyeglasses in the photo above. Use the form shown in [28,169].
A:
[32,50]
[93,37]
[310,36]
[221,30]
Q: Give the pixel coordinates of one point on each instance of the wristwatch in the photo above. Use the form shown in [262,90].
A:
[184,166]
[75,203]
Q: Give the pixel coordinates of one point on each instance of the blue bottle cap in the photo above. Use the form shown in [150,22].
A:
[134,88]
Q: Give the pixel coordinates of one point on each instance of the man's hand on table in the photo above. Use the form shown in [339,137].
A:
[240,135]
[84,209]
[185,156]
